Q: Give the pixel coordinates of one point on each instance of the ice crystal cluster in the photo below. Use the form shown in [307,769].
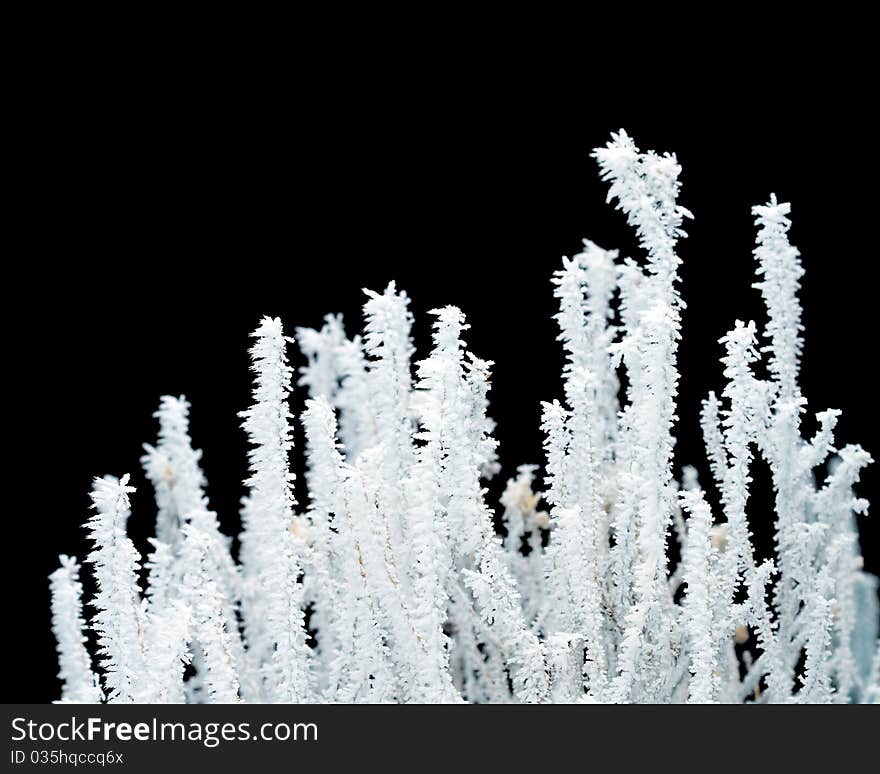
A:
[391,584]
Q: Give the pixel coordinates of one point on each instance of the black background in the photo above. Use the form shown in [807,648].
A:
[160,220]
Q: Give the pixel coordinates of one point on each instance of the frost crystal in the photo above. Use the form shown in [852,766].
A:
[392,585]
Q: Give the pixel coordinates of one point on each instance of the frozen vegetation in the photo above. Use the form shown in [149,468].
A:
[391,585]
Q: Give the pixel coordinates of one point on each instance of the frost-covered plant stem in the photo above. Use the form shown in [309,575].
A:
[273,609]
[79,684]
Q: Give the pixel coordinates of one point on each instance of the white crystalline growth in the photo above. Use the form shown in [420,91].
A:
[392,585]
